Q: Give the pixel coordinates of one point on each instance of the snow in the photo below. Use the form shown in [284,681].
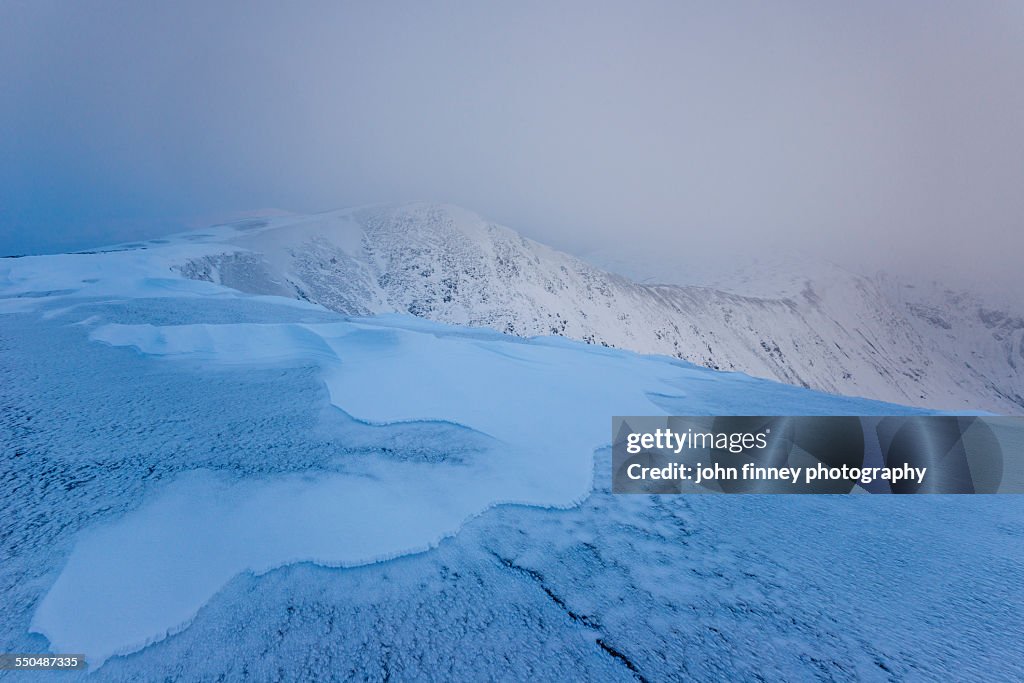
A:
[547,406]
[188,459]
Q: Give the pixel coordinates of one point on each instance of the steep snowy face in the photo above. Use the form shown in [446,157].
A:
[836,331]
[436,262]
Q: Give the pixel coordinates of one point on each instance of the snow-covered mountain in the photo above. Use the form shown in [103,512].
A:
[193,474]
[836,331]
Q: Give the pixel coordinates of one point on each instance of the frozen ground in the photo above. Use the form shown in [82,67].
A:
[168,413]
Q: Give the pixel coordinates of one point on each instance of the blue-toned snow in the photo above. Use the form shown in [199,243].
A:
[171,442]
[545,406]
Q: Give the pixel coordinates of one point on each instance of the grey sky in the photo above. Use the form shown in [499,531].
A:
[879,131]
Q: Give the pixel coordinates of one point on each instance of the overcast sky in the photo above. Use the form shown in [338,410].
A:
[875,131]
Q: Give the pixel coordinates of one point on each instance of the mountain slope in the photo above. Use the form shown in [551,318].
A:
[841,333]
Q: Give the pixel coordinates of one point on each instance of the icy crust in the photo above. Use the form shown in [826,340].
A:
[545,404]
[131,582]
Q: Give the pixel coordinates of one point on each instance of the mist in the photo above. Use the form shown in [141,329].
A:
[880,135]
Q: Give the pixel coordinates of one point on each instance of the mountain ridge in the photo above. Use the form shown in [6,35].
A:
[857,335]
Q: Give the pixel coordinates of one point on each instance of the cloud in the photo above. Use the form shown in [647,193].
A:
[875,132]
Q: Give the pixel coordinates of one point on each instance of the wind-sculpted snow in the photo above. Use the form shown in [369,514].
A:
[545,405]
[830,330]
